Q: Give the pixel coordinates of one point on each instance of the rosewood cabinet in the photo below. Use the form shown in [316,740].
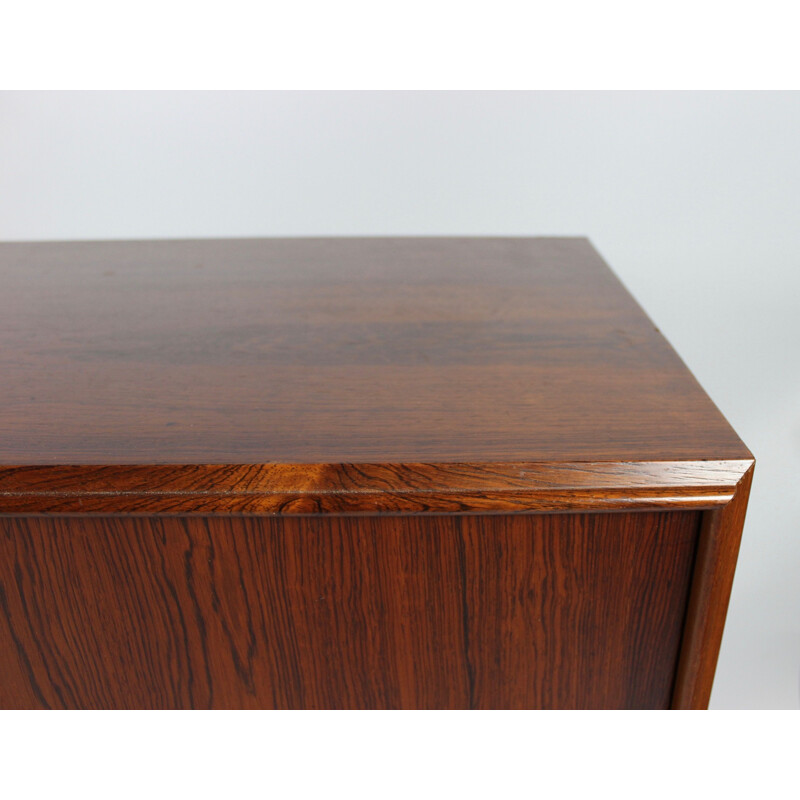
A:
[353,473]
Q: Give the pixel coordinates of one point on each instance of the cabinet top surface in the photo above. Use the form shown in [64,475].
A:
[337,351]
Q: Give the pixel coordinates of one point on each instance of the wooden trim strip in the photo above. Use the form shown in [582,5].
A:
[717,552]
[369,488]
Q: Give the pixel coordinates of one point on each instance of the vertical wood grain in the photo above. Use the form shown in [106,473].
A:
[717,552]
[522,611]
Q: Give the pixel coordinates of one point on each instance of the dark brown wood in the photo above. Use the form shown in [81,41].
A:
[561,611]
[369,488]
[337,351]
[718,549]
[353,473]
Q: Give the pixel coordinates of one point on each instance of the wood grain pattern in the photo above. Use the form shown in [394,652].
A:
[353,473]
[337,351]
[718,549]
[523,611]
[369,488]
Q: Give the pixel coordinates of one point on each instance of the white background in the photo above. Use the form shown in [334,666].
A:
[693,198]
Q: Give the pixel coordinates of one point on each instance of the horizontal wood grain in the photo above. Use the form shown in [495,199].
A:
[353,473]
[368,488]
[337,351]
[541,611]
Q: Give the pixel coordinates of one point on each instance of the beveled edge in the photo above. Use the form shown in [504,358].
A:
[718,543]
[281,489]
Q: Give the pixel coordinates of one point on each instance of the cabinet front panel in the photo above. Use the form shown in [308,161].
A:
[522,611]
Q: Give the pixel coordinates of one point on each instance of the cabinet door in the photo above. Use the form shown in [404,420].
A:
[505,611]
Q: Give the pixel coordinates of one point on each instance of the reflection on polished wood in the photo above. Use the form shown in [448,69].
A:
[371,488]
[197,438]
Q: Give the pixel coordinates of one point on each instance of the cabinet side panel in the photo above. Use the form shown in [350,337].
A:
[524,611]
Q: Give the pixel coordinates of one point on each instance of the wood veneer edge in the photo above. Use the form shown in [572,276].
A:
[278,489]
[715,564]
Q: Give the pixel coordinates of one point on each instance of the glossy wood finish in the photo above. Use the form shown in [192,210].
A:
[226,464]
[337,351]
[369,488]
[718,549]
[561,611]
